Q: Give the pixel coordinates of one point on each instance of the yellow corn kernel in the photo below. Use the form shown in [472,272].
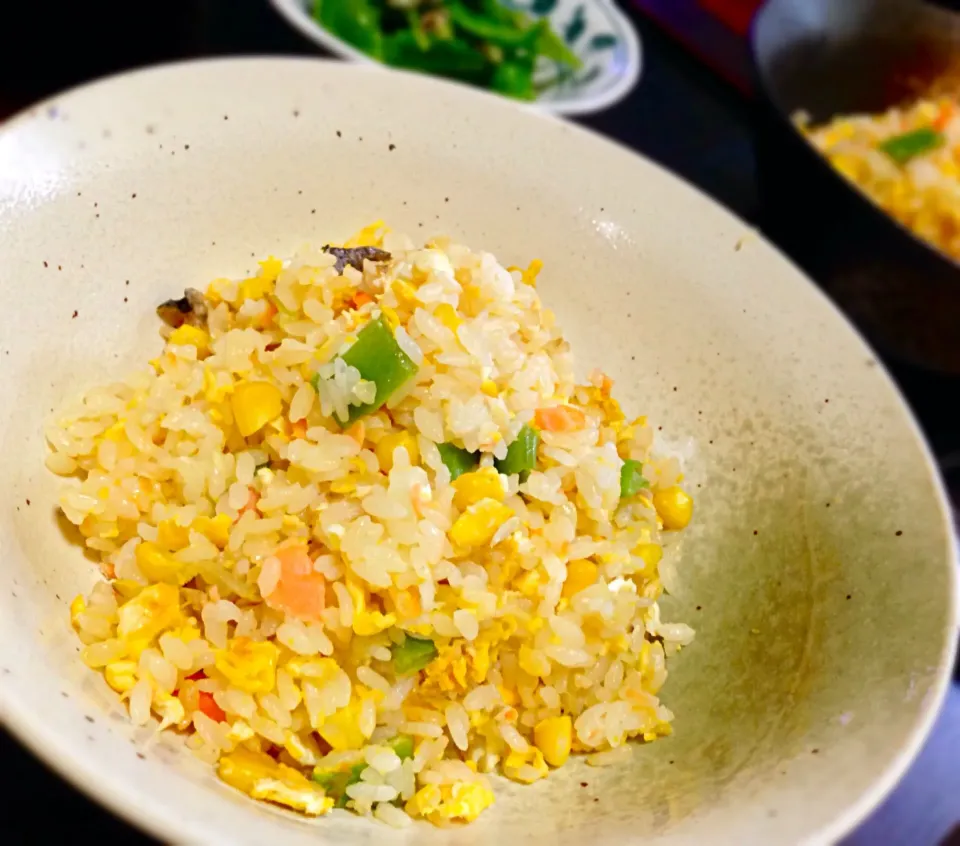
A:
[580,574]
[249,665]
[255,288]
[254,405]
[215,529]
[447,315]
[391,317]
[479,523]
[77,607]
[489,388]
[528,583]
[675,507]
[121,675]
[651,553]
[471,488]
[172,536]
[158,566]
[515,761]
[388,445]
[190,336]
[553,737]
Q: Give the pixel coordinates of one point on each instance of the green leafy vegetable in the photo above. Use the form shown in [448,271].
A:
[413,654]
[378,357]
[543,7]
[902,148]
[521,455]
[631,479]
[457,460]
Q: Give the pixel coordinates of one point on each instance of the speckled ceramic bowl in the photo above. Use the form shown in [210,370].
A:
[820,570]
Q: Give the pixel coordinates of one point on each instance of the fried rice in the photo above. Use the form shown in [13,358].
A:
[906,160]
[364,540]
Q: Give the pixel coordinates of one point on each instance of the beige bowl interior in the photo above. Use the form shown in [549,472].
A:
[819,573]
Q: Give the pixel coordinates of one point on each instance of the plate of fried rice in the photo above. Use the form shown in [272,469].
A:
[391,462]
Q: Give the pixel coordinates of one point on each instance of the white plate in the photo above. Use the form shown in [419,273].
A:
[595,30]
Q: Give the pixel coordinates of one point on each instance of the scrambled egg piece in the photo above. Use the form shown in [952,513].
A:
[145,616]
[448,802]
[248,665]
[261,777]
[513,766]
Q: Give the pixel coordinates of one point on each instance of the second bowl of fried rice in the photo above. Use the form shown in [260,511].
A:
[374,475]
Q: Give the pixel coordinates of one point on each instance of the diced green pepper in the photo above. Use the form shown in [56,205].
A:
[457,460]
[335,783]
[355,21]
[902,148]
[451,57]
[488,28]
[402,744]
[521,455]
[631,479]
[515,79]
[378,357]
[413,654]
[550,45]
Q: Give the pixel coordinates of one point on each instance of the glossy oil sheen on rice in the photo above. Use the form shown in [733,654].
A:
[351,599]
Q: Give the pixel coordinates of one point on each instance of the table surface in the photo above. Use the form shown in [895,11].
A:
[680,115]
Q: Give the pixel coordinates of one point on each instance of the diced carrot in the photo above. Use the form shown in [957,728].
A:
[560,418]
[358,431]
[947,111]
[300,590]
[298,429]
[199,674]
[208,706]
[360,299]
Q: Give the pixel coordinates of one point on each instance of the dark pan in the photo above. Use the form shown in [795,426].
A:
[831,57]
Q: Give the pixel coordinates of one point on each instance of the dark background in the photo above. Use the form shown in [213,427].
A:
[682,114]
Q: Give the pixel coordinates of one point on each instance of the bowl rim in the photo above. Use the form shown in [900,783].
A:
[129,804]
[295,15]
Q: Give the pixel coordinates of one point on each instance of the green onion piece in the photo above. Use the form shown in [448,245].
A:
[521,455]
[402,744]
[378,357]
[631,479]
[902,148]
[413,654]
[457,460]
